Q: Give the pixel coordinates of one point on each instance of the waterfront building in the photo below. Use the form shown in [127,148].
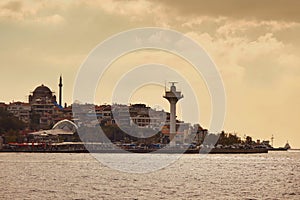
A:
[139,109]
[184,132]
[121,114]
[104,114]
[145,116]
[145,121]
[20,110]
[67,112]
[62,113]
[85,114]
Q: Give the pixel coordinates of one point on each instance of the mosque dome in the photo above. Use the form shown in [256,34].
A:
[42,93]
[43,90]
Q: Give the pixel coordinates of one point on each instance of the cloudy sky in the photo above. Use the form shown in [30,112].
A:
[255,45]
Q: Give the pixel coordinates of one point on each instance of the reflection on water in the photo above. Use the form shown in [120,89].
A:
[275,175]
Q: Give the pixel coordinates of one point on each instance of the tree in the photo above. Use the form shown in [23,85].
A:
[9,122]
[228,139]
[248,140]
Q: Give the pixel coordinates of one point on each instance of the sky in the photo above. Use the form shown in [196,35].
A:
[255,45]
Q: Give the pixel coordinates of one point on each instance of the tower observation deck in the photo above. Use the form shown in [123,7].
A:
[173,96]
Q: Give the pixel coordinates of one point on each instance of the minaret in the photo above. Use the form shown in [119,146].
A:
[173,96]
[60,90]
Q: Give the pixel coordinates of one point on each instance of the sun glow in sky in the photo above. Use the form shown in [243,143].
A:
[255,44]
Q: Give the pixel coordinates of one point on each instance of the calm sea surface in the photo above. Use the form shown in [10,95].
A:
[275,175]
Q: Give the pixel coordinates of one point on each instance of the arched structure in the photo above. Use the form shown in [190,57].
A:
[65,125]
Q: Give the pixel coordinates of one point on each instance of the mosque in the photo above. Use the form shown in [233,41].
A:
[44,106]
[42,94]
[45,110]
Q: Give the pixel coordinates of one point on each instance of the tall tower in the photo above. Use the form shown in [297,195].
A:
[60,90]
[173,96]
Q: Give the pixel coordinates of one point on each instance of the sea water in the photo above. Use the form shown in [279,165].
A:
[275,175]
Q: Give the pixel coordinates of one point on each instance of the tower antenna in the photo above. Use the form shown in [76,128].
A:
[173,83]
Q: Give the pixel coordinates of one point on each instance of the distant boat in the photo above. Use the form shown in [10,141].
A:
[285,148]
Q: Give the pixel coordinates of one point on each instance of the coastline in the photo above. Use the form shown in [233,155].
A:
[162,151]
